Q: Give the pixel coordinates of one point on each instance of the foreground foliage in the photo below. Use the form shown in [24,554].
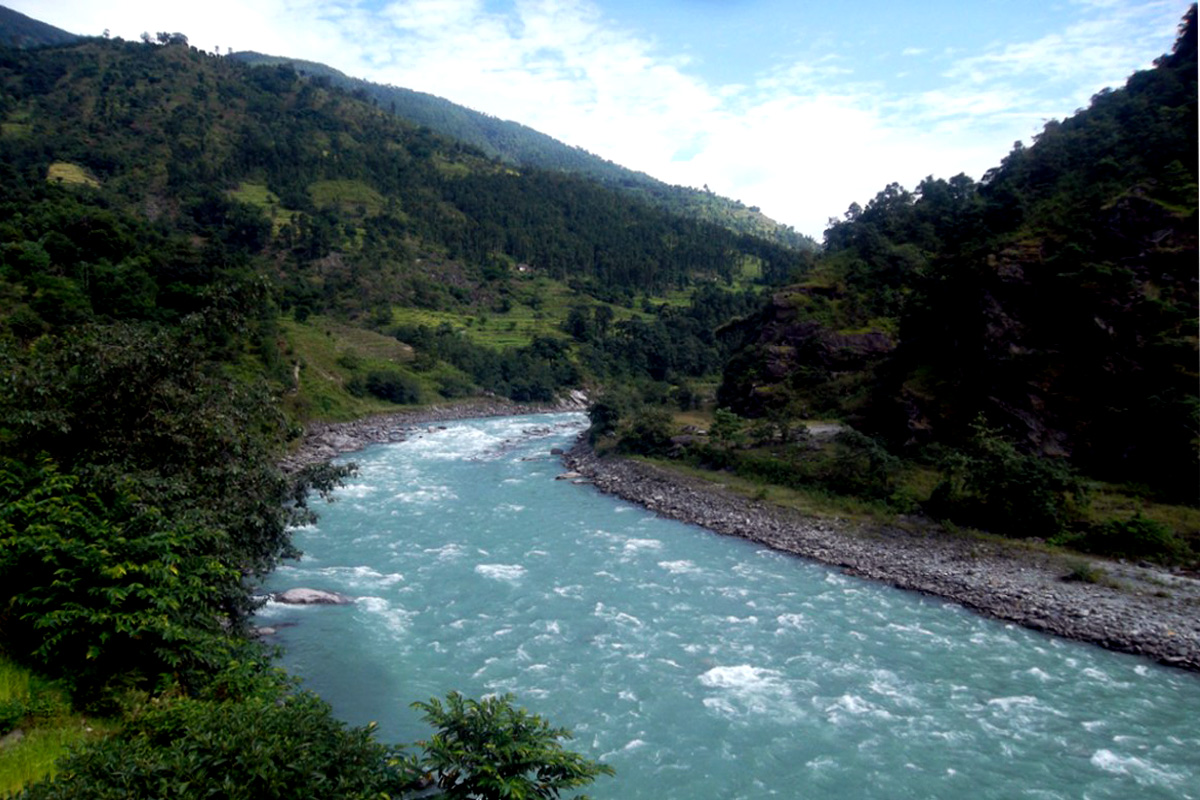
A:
[283,746]
[488,749]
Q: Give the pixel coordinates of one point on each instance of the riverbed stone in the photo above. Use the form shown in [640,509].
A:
[303,596]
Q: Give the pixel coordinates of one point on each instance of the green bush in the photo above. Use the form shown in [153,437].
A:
[859,466]
[648,432]
[95,590]
[991,485]
[12,711]
[282,746]
[453,385]
[488,750]
[1137,537]
[393,386]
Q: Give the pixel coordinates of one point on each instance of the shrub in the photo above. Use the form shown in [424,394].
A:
[859,466]
[267,747]
[393,386]
[648,432]
[1137,537]
[487,750]
[991,485]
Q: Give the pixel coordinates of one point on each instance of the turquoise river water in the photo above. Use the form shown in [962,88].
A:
[698,666]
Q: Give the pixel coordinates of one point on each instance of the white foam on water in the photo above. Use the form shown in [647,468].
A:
[509,573]
[396,620]
[612,615]
[633,546]
[1142,771]
[426,495]
[362,577]
[357,491]
[884,684]
[1038,674]
[821,763]
[446,552]
[680,567]
[854,706]
[721,706]
[572,592]
[1007,704]
[512,508]
[748,689]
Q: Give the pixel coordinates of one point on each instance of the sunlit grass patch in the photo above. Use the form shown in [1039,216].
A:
[352,197]
[257,194]
[36,719]
[63,172]
[814,502]
[321,349]
[33,757]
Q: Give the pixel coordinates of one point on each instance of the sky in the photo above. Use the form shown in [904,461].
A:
[795,106]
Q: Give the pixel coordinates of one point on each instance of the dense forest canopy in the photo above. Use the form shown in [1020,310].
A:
[1057,297]
[522,146]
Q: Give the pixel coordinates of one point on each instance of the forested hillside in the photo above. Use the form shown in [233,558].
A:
[1016,354]
[22,31]
[144,176]
[522,146]
[1056,297]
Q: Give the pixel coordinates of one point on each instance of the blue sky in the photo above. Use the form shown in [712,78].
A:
[798,107]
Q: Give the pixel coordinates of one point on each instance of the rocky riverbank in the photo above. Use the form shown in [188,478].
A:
[1142,610]
[1133,609]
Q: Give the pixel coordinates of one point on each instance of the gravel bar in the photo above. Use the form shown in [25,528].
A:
[1139,609]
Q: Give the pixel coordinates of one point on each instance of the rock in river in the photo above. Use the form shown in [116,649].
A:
[303,597]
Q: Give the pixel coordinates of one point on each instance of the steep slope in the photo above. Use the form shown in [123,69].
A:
[523,146]
[145,179]
[18,30]
[1057,297]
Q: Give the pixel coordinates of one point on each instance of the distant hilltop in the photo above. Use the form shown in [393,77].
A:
[18,30]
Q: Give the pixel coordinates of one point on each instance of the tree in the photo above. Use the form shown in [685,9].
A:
[486,749]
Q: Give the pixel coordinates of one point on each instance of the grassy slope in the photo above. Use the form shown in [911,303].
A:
[48,728]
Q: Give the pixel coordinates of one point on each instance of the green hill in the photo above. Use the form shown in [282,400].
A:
[18,30]
[1056,298]
[522,146]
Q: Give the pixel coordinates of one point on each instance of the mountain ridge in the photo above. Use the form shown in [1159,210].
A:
[523,146]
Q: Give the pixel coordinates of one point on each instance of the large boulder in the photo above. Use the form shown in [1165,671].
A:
[302,596]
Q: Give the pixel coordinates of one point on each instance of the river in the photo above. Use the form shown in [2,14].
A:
[698,666]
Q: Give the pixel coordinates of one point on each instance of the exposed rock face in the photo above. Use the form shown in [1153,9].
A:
[1148,611]
[785,352]
[302,596]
